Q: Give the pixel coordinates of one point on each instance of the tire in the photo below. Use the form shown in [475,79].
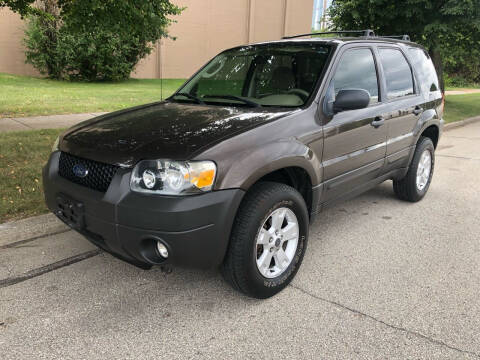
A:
[253,223]
[408,188]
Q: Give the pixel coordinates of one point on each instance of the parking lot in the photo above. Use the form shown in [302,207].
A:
[381,279]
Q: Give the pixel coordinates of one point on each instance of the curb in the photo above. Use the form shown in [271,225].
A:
[460,123]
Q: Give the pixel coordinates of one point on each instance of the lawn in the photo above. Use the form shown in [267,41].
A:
[459,107]
[28,96]
[22,155]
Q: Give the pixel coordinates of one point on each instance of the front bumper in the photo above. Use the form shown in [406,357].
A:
[195,229]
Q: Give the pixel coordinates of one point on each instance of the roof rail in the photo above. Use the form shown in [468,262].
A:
[400,37]
[366,33]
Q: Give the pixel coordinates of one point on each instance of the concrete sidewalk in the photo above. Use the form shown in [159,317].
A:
[44,122]
[462,92]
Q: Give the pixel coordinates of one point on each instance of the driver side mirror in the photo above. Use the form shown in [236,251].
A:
[351,99]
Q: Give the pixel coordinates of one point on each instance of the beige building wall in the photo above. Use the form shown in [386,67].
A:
[12,55]
[205,28]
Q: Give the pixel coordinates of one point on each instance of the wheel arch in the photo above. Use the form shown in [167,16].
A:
[288,162]
[294,176]
[429,125]
[432,132]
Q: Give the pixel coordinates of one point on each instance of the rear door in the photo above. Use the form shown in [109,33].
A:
[403,103]
[355,140]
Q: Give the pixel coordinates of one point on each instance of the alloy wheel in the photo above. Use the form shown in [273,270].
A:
[423,170]
[277,242]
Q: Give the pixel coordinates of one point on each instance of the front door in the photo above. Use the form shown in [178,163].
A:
[355,140]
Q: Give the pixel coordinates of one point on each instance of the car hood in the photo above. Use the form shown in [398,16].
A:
[176,131]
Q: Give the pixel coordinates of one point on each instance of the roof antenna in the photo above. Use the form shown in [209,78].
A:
[159,51]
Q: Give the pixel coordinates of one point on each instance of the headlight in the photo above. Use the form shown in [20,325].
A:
[55,144]
[173,177]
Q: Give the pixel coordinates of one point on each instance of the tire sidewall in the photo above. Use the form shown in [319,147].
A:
[263,286]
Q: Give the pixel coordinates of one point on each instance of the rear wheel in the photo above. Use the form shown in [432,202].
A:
[268,240]
[415,184]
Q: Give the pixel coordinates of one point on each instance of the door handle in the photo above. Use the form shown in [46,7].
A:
[418,110]
[379,121]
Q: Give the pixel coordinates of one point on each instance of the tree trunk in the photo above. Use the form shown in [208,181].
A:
[438,63]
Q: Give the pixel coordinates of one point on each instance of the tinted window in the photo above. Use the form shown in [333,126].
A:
[356,70]
[269,75]
[425,69]
[398,74]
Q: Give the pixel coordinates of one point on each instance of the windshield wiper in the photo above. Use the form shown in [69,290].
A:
[233,97]
[190,96]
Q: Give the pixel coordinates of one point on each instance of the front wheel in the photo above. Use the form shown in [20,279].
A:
[268,241]
[415,184]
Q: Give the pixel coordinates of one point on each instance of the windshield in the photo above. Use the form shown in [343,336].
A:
[263,75]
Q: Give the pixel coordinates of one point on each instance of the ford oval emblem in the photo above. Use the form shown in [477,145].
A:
[80,170]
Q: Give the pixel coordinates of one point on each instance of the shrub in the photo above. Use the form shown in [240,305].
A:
[461,55]
[92,40]
[458,81]
[41,36]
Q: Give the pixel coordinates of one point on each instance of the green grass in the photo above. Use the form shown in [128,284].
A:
[459,107]
[22,155]
[29,96]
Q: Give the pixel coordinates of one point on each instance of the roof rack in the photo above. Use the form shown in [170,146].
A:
[365,33]
[401,37]
[368,33]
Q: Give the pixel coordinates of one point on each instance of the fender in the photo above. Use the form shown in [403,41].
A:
[428,118]
[250,165]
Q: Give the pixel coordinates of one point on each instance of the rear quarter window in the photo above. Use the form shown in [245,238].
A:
[425,70]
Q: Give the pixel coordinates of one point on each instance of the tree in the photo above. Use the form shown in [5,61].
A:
[95,39]
[23,7]
[433,23]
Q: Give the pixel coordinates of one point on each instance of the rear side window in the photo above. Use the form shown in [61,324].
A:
[425,69]
[398,75]
[357,70]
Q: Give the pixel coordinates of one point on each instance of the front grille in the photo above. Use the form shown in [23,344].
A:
[98,177]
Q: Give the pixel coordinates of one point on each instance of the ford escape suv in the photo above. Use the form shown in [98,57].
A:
[230,170]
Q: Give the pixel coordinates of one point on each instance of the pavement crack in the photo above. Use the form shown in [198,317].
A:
[22,242]
[47,268]
[22,123]
[395,327]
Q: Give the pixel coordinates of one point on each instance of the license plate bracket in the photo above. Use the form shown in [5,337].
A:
[70,211]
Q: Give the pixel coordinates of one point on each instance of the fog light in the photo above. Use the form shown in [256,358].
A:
[162,249]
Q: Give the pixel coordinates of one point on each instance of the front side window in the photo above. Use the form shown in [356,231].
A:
[356,70]
[282,75]
[425,70]
[398,75]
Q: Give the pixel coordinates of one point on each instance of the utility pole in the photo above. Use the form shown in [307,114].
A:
[324,16]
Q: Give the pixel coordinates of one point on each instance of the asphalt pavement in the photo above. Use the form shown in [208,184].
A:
[381,279]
